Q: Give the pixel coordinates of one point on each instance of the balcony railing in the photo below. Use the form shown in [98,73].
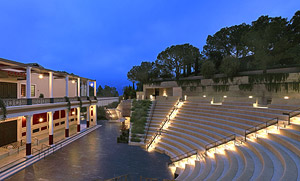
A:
[21,102]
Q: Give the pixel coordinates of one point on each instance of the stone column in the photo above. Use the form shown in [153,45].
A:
[51,86]
[95,114]
[88,88]
[67,86]
[78,119]
[78,87]
[50,116]
[67,124]
[95,89]
[28,85]
[88,116]
[28,134]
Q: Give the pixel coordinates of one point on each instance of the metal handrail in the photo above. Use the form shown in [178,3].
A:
[289,114]
[158,132]
[121,177]
[151,116]
[220,142]
[184,155]
[260,127]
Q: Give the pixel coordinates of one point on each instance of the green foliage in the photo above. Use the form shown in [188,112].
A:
[268,78]
[224,80]
[144,73]
[135,139]
[41,96]
[173,59]
[123,138]
[208,69]
[193,88]
[221,88]
[187,82]
[107,91]
[138,115]
[230,66]
[246,87]
[129,92]
[3,108]
[101,115]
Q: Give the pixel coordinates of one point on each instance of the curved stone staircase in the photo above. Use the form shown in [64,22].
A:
[272,155]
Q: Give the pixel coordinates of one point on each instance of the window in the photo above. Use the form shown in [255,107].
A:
[32,90]
[23,90]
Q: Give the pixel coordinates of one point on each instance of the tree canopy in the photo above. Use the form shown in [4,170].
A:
[107,91]
[268,42]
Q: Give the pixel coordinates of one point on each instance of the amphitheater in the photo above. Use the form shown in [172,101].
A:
[234,139]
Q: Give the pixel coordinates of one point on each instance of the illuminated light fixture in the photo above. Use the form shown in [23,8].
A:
[225,96]
[204,95]
[91,84]
[41,76]
[41,120]
[250,97]
[73,113]
[286,97]
[73,81]
[185,96]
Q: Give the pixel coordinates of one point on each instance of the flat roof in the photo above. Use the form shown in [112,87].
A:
[10,65]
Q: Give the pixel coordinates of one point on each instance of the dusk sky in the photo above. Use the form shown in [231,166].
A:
[102,40]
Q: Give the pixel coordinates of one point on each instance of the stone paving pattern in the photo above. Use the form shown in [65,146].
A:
[97,156]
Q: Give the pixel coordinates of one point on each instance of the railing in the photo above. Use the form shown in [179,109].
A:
[158,132]
[260,126]
[219,142]
[290,114]
[24,101]
[119,178]
[150,118]
[184,156]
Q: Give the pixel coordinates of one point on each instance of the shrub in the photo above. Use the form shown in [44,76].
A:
[208,69]
[230,66]
[135,139]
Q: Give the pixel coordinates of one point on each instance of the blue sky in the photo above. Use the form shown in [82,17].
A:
[103,39]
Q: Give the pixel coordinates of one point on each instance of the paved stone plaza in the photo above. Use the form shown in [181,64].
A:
[97,156]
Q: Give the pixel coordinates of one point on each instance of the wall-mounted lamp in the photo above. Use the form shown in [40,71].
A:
[41,76]
[225,96]
[92,84]
[73,113]
[41,120]
[250,97]
[286,97]
[73,81]
[204,95]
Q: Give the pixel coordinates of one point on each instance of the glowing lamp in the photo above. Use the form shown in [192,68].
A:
[225,96]
[41,120]
[204,95]
[286,97]
[91,84]
[250,97]
[73,113]
[41,76]
[73,81]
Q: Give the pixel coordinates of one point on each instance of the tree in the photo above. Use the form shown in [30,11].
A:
[176,58]
[208,69]
[144,73]
[230,66]
[227,42]
[269,42]
[129,92]
[107,91]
